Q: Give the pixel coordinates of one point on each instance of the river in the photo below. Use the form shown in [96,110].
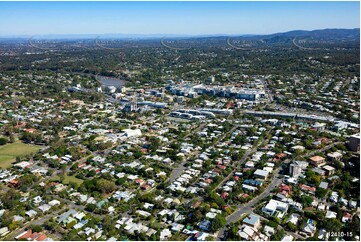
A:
[111,81]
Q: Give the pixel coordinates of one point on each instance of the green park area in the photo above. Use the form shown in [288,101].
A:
[68,179]
[9,152]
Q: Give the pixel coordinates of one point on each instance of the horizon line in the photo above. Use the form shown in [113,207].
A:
[158,35]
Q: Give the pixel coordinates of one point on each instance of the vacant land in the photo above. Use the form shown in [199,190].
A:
[68,179]
[9,152]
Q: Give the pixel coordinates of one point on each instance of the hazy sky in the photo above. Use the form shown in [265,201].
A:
[33,18]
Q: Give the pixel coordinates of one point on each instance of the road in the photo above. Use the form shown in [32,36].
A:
[176,172]
[243,159]
[39,221]
[320,150]
[301,47]
[299,237]
[246,208]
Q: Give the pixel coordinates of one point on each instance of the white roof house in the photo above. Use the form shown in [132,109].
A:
[54,202]
[31,213]
[261,173]
[131,133]
[4,231]
[309,229]
[331,214]
[294,218]
[165,234]
[275,207]
[44,207]
[287,238]
[246,232]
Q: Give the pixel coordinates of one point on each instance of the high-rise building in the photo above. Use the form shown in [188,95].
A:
[296,168]
[354,142]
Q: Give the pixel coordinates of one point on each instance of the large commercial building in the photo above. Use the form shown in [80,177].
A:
[192,91]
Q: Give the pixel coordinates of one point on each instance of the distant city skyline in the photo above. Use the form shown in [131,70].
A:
[173,18]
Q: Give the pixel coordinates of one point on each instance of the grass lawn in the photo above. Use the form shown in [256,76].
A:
[9,152]
[68,179]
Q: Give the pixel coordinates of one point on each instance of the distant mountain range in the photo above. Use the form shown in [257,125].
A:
[322,34]
[326,34]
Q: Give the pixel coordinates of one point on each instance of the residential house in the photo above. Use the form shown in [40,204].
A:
[294,218]
[65,216]
[165,234]
[205,225]
[317,161]
[329,170]
[29,235]
[334,197]
[310,228]
[287,238]
[299,148]
[347,217]
[275,208]
[323,185]
[4,231]
[308,189]
[262,174]
[247,233]
[334,156]
[268,230]
[252,220]
[330,214]
[31,213]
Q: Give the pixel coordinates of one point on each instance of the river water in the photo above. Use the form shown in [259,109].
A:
[111,81]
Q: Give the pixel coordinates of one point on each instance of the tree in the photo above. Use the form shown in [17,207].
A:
[91,173]
[74,167]
[218,222]
[233,233]
[8,199]
[306,200]
[11,138]
[6,219]
[320,192]
[105,186]
[154,143]
[51,226]
[291,226]
[278,235]
[90,207]
[353,226]
[332,224]
[36,228]
[3,141]
[27,180]
[107,223]
[213,197]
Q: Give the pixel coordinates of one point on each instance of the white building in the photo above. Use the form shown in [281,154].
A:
[275,207]
[131,133]
[261,174]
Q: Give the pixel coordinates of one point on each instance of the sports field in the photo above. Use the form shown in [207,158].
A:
[9,152]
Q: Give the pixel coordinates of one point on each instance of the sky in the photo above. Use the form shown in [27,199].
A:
[188,18]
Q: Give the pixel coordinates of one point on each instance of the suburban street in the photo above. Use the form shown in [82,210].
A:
[276,181]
